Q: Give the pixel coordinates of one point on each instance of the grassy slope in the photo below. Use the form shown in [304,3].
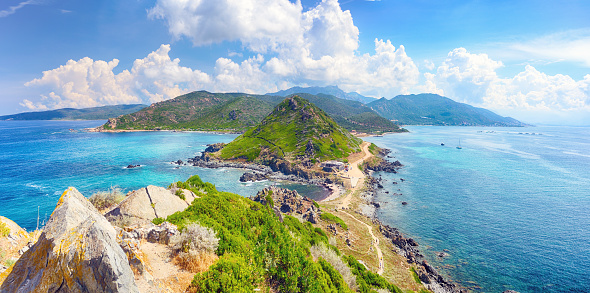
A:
[351,115]
[257,250]
[95,113]
[409,109]
[287,130]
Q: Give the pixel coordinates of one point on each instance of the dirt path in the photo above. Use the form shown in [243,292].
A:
[355,173]
[374,241]
[357,182]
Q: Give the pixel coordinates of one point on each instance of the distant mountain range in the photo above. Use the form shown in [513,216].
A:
[327,90]
[238,112]
[95,113]
[432,109]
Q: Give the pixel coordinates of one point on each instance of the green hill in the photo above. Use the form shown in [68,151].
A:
[95,113]
[295,131]
[199,111]
[432,109]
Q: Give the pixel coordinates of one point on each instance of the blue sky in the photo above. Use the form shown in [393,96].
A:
[526,59]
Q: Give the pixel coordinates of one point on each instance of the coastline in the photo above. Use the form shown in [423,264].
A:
[403,246]
[96,129]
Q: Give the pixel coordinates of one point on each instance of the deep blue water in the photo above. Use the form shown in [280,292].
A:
[40,159]
[511,207]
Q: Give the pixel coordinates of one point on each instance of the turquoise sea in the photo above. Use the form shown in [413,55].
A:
[41,159]
[511,208]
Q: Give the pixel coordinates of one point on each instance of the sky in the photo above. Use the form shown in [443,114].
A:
[526,59]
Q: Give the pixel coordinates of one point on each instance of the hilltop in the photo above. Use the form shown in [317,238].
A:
[94,113]
[326,90]
[432,109]
[295,131]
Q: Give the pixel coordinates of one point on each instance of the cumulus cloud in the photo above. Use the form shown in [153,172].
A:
[532,94]
[260,24]
[316,47]
[89,83]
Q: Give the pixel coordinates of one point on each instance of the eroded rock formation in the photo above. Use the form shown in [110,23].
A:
[77,252]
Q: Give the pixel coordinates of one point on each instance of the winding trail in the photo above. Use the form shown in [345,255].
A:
[355,173]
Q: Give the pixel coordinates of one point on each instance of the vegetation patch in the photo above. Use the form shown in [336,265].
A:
[415,275]
[195,248]
[255,249]
[104,200]
[333,219]
[367,280]
[4,230]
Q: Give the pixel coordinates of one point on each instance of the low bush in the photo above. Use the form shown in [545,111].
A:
[333,219]
[103,200]
[366,280]
[323,252]
[195,248]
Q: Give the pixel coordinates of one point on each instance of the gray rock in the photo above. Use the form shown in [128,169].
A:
[77,252]
[145,204]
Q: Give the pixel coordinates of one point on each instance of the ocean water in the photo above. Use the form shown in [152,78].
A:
[41,159]
[511,208]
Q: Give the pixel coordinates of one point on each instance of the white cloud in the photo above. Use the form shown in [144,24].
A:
[570,46]
[260,24]
[13,9]
[318,46]
[530,94]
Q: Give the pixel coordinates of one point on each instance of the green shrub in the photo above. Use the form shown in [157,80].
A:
[333,219]
[180,193]
[231,273]
[255,247]
[366,279]
[158,221]
[4,230]
[316,204]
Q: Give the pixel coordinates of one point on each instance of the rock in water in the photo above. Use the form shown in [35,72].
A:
[77,252]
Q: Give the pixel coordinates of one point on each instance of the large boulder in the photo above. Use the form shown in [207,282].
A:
[143,205]
[289,202]
[77,252]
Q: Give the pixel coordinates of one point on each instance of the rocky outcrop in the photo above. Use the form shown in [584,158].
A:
[289,202]
[407,246]
[143,205]
[215,147]
[252,177]
[434,282]
[384,166]
[77,252]
[16,234]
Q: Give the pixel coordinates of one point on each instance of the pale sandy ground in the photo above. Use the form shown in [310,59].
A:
[165,276]
[357,178]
